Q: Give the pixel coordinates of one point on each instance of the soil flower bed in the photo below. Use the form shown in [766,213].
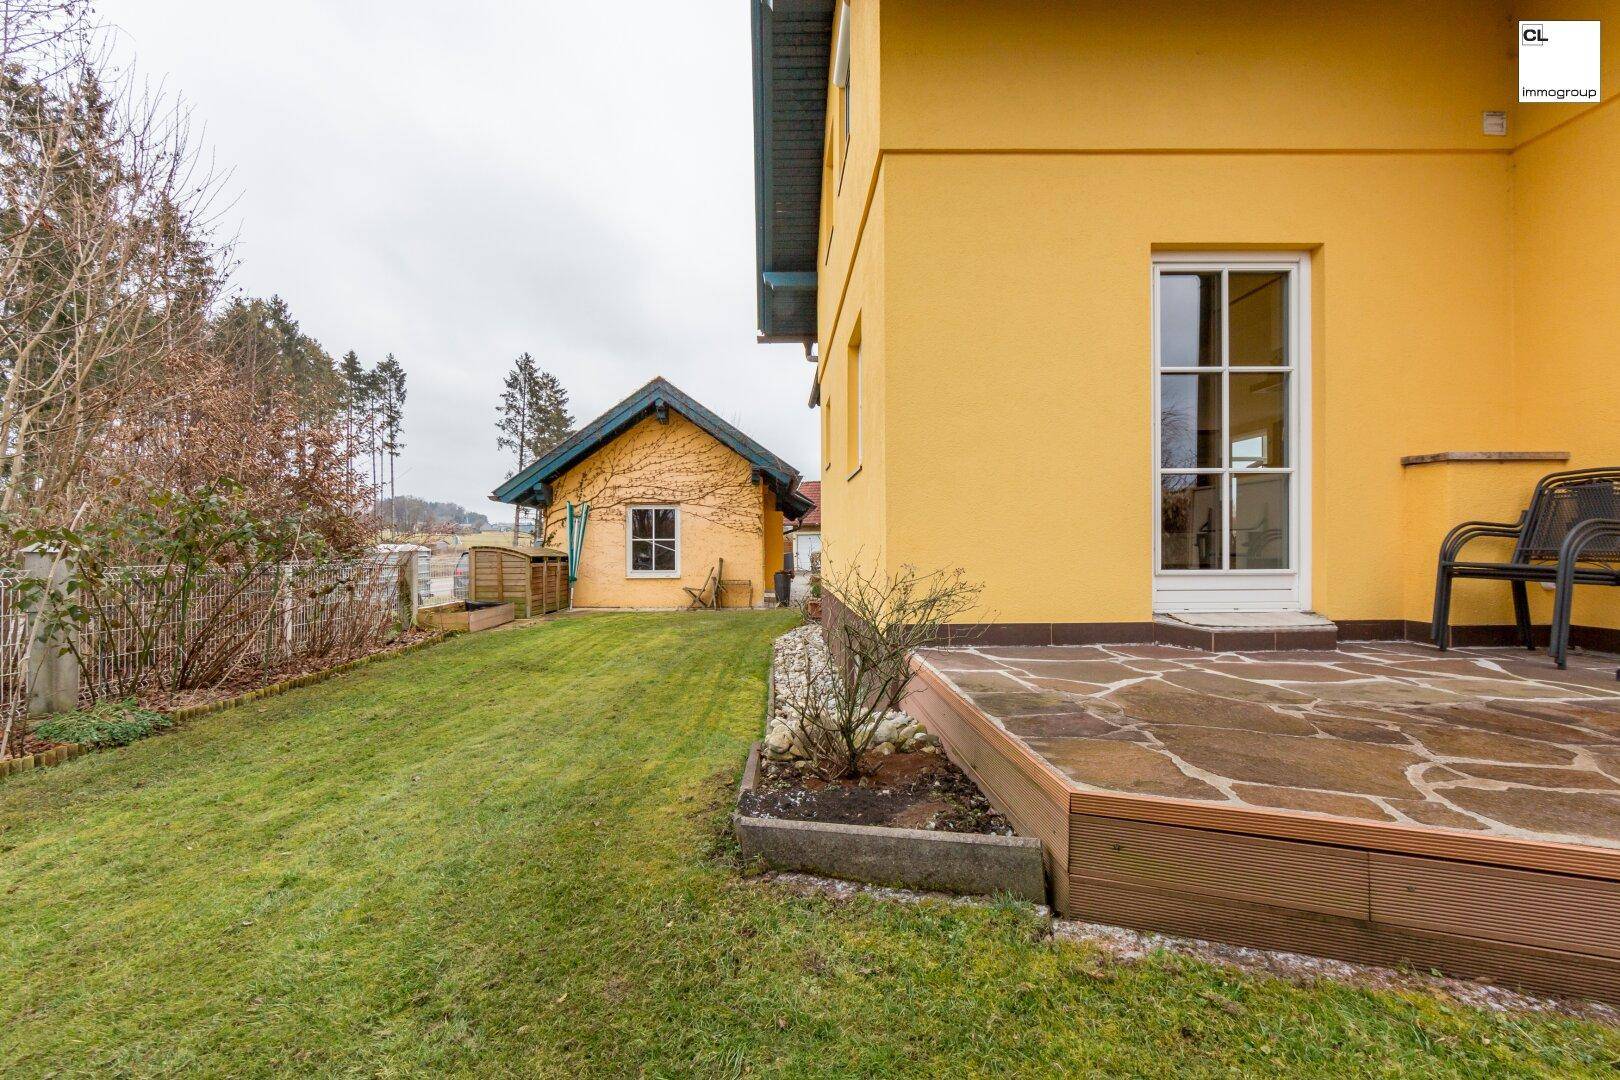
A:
[914,790]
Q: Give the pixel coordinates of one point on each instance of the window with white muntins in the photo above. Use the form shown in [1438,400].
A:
[653,541]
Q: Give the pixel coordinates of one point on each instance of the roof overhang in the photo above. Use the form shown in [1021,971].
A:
[792,50]
[532,486]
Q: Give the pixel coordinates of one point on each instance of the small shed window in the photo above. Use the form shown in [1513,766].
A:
[654,541]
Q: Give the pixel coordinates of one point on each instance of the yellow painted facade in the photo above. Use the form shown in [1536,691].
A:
[723,514]
[1011,172]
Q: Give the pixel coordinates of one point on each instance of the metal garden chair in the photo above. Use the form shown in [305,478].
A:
[1569,535]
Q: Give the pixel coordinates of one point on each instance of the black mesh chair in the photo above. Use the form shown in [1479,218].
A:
[1569,536]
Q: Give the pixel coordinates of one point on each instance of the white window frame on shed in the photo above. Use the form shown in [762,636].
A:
[630,541]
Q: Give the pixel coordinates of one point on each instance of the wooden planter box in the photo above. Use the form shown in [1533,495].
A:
[465,616]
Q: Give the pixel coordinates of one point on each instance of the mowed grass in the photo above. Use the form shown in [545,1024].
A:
[505,855]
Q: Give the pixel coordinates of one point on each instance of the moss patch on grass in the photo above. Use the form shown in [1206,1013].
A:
[500,856]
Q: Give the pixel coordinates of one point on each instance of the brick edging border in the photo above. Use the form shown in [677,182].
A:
[191,712]
[56,755]
[44,759]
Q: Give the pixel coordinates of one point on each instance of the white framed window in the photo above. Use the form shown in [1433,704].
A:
[841,79]
[853,397]
[1231,350]
[652,542]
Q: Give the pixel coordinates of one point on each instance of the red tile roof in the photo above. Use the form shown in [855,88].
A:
[811,489]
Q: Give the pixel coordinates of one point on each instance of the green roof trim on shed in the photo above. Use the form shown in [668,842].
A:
[532,486]
[792,54]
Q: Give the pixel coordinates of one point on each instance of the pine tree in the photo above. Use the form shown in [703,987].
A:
[262,340]
[552,421]
[514,420]
[532,418]
[390,377]
[355,394]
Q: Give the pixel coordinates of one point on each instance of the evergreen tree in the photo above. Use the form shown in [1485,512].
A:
[514,420]
[552,421]
[262,340]
[531,419]
[390,379]
[356,394]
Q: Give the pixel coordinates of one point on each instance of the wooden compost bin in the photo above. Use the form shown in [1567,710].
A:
[533,580]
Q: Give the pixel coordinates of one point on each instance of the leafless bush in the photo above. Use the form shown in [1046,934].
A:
[171,628]
[874,620]
[108,262]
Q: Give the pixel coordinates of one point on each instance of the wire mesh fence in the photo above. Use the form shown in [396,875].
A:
[13,627]
[164,628]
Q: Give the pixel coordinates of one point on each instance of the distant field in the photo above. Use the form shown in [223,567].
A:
[461,541]
[488,536]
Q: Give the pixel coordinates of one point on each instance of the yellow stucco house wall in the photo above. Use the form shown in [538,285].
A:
[1005,188]
[674,493]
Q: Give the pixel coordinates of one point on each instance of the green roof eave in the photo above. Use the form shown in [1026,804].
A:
[532,486]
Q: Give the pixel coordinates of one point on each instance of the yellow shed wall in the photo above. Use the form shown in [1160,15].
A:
[773,541]
[722,515]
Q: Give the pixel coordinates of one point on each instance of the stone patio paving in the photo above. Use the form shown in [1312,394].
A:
[1496,741]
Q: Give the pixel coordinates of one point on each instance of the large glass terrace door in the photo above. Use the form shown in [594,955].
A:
[1229,362]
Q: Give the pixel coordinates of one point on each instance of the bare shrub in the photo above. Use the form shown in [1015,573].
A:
[108,260]
[873,622]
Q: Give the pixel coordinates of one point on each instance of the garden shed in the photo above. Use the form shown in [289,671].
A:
[660,499]
[533,580]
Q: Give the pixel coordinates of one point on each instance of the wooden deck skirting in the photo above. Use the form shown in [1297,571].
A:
[1543,916]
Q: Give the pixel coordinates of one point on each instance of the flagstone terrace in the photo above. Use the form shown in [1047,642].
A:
[1495,741]
[1381,801]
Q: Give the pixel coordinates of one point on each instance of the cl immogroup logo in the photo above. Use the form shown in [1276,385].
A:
[1560,61]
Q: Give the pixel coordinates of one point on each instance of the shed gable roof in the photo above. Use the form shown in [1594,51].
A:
[530,486]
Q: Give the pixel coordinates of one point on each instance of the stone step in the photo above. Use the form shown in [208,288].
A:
[1245,631]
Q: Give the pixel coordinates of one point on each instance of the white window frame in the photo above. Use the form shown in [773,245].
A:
[856,377]
[1243,590]
[630,537]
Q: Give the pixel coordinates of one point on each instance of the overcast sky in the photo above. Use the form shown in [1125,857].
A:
[458,183]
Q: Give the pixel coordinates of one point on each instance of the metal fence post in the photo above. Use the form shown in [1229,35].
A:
[409,601]
[53,671]
[288,628]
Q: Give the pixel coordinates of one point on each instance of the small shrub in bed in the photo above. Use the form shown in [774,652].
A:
[839,696]
[107,723]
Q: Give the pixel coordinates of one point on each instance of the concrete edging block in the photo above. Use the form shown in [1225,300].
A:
[970,863]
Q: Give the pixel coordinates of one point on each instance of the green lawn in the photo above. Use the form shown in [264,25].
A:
[503,855]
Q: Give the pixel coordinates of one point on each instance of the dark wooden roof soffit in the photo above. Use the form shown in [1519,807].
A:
[792,51]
